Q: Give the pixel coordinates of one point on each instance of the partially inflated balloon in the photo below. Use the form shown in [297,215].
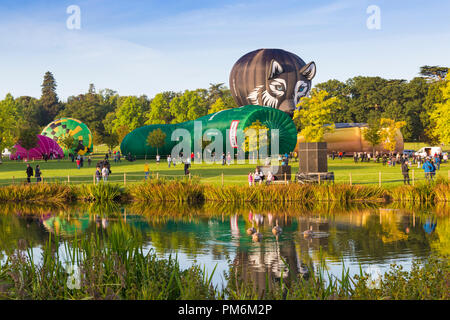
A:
[45,145]
[75,128]
[271,77]
[226,122]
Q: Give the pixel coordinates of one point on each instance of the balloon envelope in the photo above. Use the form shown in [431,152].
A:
[73,127]
[45,145]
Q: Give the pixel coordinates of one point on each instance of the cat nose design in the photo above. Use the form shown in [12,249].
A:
[288,106]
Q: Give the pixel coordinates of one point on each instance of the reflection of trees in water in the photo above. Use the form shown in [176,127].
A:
[355,231]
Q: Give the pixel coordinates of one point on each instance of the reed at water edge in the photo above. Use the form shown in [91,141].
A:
[191,191]
[120,268]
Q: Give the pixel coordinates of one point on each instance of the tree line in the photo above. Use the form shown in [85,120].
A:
[421,103]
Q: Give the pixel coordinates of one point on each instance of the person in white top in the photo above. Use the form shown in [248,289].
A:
[105,173]
[269,178]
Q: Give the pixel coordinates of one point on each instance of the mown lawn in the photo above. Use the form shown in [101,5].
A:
[64,170]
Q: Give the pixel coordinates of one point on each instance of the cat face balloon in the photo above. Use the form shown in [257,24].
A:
[271,77]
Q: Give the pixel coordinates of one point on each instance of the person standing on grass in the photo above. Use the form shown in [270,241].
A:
[89,161]
[158,158]
[146,170]
[37,174]
[186,167]
[78,163]
[169,160]
[429,169]
[98,174]
[269,178]
[250,179]
[405,172]
[29,172]
[437,161]
[105,173]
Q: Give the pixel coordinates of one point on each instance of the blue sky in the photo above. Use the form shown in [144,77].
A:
[145,47]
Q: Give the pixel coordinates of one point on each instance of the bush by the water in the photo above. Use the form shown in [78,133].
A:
[160,190]
[43,192]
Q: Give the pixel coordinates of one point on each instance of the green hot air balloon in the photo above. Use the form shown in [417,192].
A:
[75,128]
[230,123]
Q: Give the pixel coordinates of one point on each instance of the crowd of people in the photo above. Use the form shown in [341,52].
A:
[430,164]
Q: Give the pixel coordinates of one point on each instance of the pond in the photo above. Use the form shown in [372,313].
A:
[215,237]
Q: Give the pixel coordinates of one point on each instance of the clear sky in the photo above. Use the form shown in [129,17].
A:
[145,47]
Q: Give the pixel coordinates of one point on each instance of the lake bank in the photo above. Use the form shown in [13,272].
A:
[190,191]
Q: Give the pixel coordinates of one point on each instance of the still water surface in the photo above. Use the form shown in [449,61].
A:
[214,237]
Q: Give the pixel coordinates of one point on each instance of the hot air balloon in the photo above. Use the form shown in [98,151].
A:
[45,145]
[75,128]
[271,77]
[226,122]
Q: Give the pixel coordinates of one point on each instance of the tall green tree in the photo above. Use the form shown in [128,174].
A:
[130,113]
[189,106]
[49,99]
[8,122]
[156,139]
[160,109]
[440,116]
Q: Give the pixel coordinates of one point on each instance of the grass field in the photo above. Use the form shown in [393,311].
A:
[66,170]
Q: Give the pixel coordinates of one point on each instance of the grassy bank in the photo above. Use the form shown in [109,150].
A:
[190,191]
[120,268]
[127,173]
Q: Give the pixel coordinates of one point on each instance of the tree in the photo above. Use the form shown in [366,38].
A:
[91,88]
[28,138]
[160,109]
[49,99]
[8,122]
[372,133]
[434,97]
[156,139]
[92,109]
[68,142]
[434,73]
[111,140]
[130,113]
[315,115]
[389,132]
[219,105]
[121,132]
[189,106]
[441,115]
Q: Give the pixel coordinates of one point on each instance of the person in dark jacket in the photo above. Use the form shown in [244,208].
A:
[37,173]
[29,172]
[405,172]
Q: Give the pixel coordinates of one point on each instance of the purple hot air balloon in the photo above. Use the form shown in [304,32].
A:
[45,146]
